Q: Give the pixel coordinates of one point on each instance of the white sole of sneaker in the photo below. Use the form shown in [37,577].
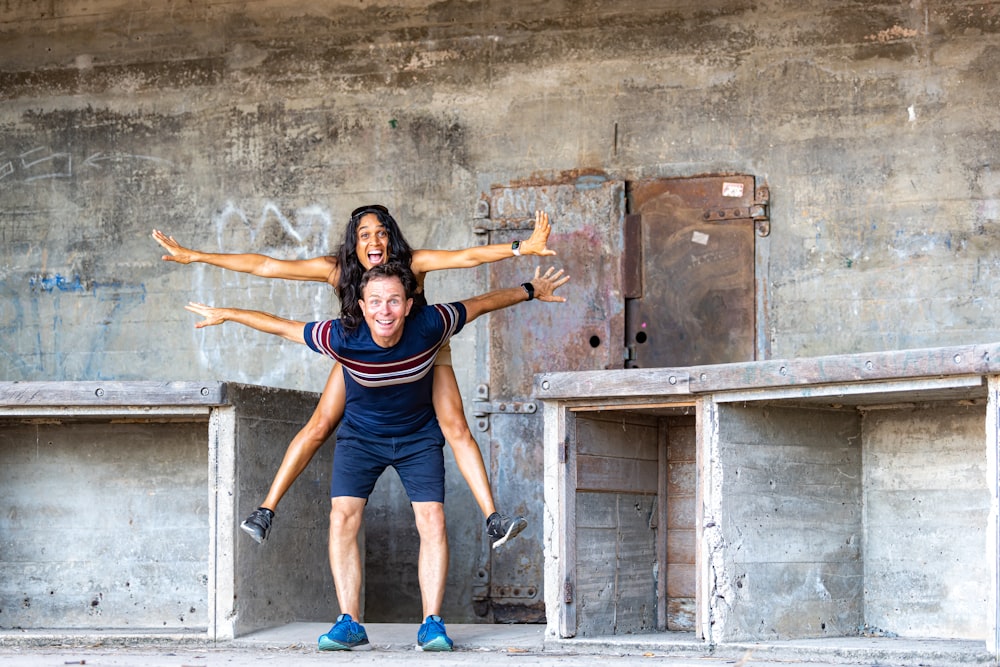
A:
[252,533]
[515,529]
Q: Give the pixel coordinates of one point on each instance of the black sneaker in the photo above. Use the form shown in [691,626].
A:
[258,524]
[502,528]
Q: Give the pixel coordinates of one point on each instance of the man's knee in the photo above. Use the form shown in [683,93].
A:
[430,519]
[344,519]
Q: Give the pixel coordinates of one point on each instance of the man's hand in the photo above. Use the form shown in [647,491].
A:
[536,243]
[178,253]
[255,319]
[546,284]
[212,315]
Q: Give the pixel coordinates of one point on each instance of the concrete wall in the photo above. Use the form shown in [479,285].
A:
[789,526]
[926,509]
[260,125]
[839,523]
[122,505]
[103,530]
[287,578]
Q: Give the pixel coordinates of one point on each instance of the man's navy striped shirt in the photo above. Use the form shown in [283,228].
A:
[389,388]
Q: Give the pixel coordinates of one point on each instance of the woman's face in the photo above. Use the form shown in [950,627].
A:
[373,241]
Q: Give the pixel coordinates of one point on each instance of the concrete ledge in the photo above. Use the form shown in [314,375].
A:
[97,393]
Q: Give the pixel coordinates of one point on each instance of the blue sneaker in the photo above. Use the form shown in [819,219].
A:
[345,635]
[432,636]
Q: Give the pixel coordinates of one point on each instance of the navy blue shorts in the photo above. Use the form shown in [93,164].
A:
[360,459]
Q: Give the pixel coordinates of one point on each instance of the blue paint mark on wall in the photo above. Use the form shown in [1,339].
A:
[56,282]
[59,283]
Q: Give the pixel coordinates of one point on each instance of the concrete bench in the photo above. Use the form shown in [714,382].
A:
[841,496]
[122,502]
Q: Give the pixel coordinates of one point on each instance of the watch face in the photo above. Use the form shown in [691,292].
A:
[515,245]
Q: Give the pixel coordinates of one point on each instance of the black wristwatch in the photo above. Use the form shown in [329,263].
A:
[530,289]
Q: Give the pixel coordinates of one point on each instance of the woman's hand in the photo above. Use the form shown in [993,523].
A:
[178,253]
[536,243]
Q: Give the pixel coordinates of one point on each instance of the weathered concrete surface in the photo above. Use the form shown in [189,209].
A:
[791,522]
[828,508]
[104,526]
[481,644]
[122,515]
[927,500]
[259,126]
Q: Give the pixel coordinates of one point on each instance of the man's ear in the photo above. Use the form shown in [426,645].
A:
[409,304]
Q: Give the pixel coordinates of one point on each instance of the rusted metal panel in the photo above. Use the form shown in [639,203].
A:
[585,333]
[632,265]
[517,570]
[697,303]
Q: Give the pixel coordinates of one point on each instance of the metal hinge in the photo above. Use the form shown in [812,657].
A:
[759,212]
[482,410]
[487,225]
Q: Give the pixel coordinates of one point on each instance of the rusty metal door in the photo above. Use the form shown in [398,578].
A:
[691,282]
[585,333]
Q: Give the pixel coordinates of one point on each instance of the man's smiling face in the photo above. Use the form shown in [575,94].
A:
[373,241]
[385,307]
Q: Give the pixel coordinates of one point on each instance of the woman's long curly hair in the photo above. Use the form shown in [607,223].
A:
[351,269]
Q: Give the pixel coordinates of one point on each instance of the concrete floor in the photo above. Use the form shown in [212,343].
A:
[478,644]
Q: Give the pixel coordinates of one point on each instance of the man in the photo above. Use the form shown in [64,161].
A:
[389,420]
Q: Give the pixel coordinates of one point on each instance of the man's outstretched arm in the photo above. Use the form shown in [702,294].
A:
[542,288]
[255,319]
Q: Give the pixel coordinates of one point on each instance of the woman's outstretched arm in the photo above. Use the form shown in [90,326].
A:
[318,269]
[436,260]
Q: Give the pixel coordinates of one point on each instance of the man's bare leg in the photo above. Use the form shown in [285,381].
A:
[432,573]
[432,567]
[347,634]
[345,555]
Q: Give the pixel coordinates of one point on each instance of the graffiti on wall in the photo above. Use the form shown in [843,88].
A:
[43,163]
[272,230]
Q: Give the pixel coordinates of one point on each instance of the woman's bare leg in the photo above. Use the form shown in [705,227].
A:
[310,438]
[451,417]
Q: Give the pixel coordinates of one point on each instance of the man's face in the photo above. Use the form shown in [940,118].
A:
[373,241]
[385,307]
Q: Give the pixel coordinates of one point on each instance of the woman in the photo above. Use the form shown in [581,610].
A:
[373,237]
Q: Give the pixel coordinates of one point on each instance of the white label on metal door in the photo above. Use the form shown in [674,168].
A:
[699,237]
[732,189]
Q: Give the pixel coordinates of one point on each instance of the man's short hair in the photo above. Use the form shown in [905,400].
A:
[391,270]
